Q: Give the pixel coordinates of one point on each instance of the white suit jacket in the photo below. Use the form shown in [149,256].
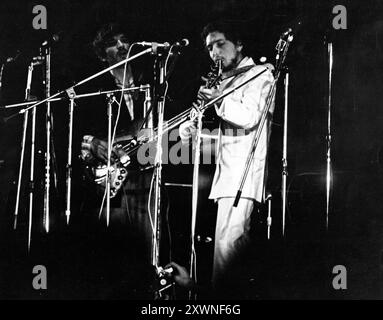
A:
[240,113]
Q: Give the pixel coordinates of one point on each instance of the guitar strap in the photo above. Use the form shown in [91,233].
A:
[235,72]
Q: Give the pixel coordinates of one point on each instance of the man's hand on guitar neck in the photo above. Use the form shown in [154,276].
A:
[207,94]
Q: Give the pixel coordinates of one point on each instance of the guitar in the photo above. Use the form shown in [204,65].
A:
[97,170]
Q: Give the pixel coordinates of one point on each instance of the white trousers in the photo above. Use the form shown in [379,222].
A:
[232,235]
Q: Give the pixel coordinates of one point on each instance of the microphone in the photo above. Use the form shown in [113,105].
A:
[166,45]
[294,26]
[56,37]
[183,43]
[13,57]
[154,44]
[286,33]
[38,60]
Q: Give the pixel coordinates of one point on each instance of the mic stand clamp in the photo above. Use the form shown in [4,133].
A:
[268,199]
[165,281]
[147,123]
[71,95]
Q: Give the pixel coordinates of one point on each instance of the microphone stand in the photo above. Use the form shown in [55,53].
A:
[158,168]
[196,166]
[193,254]
[282,48]
[329,172]
[21,165]
[284,156]
[156,226]
[31,177]
[32,171]
[108,165]
[48,142]
[72,96]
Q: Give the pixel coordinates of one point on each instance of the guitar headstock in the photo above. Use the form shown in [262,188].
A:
[214,77]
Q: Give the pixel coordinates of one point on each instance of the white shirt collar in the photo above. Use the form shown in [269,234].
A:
[246,61]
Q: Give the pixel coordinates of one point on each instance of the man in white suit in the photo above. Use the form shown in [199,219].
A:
[239,113]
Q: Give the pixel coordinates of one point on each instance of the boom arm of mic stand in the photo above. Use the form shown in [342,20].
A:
[249,159]
[269,100]
[88,79]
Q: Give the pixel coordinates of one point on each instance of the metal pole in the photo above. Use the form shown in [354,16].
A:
[69,160]
[148,113]
[25,125]
[284,156]
[31,180]
[85,95]
[1,77]
[329,135]
[158,171]
[108,165]
[282,48]
[268,199]
[193,256]
[48,142]
[250,157]
[157,200]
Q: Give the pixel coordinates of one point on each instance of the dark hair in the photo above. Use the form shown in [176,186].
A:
[230,29]
[104,35]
